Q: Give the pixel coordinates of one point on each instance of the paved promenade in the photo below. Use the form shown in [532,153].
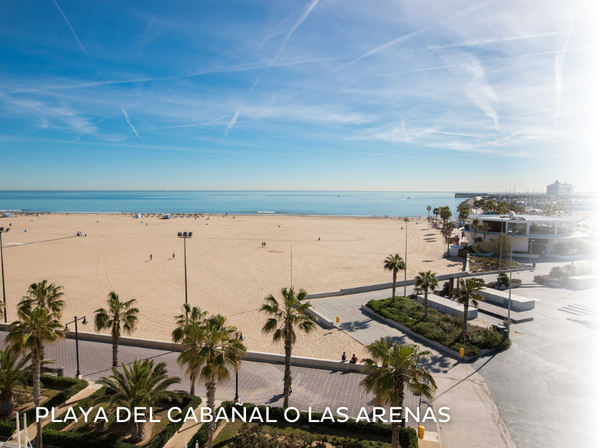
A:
[259,383]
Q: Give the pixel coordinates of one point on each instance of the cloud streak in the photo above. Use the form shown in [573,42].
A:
[71,28]
[559,63]
[129,123]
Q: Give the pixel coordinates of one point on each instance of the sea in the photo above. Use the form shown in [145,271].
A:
[320,203]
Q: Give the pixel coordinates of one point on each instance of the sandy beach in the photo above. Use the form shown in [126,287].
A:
[229,272]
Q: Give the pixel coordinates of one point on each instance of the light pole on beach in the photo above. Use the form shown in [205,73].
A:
[84,321]
[239,336]
[3,230]
[510,269]
[405,252]
[185,236]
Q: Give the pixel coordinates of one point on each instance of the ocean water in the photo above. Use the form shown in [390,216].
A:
[402,203]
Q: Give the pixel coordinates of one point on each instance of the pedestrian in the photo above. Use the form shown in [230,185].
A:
[344,357]
[354,359]
[173,254]
[150,257]
[534,266]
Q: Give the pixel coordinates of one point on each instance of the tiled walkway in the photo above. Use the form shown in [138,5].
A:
[259,383]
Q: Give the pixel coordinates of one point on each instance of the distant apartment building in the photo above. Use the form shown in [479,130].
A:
[558,189]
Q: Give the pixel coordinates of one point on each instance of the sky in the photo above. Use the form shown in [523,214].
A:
[398,95]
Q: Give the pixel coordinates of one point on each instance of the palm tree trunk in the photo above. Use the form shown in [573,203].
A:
[287,376]
[394,286]
[395,435]
[115,350]
[465,315]
[139,431]
[211,389]
[6,403]
[193,384]
[400,393]
[35,373]
[425,303]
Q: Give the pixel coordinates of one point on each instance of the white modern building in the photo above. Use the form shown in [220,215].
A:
[558,189]
[530,234]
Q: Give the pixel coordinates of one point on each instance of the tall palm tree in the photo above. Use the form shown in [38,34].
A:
[14,372]
[44,294]
[475,225]
[186,323]
[428,211]
[394,263]
[287,315]
[436,212]
[29,334]
[445,214]
[119,315]
[485,228]
[212,349]
[426,282]
[467,295]
[463,212]
[141,385]
[398,369]
[447,230]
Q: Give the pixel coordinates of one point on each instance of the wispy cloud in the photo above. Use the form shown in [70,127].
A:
[129,123]
[233,120]
[71,28]
[559,62]
[473,43]
[194,125]
[480,93]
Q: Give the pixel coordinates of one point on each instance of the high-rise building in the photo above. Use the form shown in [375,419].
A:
[558,189]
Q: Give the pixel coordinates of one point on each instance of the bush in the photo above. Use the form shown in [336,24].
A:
[441,328]
[53,435]
[503,279]
[408,436]
[71,387]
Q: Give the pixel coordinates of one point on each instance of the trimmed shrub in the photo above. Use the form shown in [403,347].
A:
[408,436]
[441,328]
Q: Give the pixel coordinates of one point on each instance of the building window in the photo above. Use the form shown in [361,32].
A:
[539,228]
[565,228]
[517,228]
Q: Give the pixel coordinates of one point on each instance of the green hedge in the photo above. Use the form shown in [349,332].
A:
[408,436]
[438,327]
[70,387]
[53,434]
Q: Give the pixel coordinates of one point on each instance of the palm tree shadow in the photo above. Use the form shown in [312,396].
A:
[275,398]
[354,326]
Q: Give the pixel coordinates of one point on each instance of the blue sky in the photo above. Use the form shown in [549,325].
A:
[298,94]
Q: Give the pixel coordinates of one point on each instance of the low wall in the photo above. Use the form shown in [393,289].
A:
[447,306]
[518,303]
[583,282]
[321,319]
[379,286]
[274,358]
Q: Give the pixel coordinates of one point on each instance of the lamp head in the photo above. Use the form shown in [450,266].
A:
[84,321]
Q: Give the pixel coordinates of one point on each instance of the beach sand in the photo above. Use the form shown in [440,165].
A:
[229,272]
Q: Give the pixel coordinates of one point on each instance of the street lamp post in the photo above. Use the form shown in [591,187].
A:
[239,336]
[405,252]
[185,236]
[510,284]
[3,230]
[84,321]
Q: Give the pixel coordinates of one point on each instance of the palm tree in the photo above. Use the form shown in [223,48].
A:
[186,322]
[29,334]
[475,225]
[118,315]
[485,228]
[445,214]
[428,211]
[447,233]
[286,317]
[211,349]
[44,294]
[467,295]
[426,282]
[13,372]
[394,263]
[399,370]
[463,212]
[141,385]
[436,212]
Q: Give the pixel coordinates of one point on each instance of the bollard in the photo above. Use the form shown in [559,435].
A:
[421,432]
[337,319]
[462,352]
